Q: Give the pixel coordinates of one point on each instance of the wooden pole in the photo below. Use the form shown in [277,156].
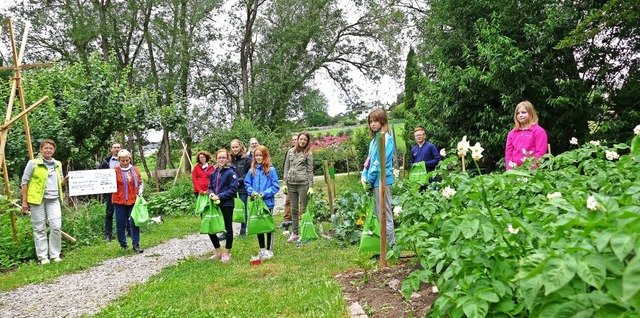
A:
[17,80]
[333,180]
[382,207]
[463,166]
[326,178]
[157,183]
[12,214]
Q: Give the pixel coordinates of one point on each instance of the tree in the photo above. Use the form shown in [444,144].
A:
[482,58]
[411,74]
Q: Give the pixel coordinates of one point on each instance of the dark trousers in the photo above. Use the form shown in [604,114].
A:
[227,214]
[123,219]
[108,217]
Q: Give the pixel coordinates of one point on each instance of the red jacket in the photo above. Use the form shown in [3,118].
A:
[131,189]
[200,177]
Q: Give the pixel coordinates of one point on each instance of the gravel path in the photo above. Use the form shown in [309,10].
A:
[89,291]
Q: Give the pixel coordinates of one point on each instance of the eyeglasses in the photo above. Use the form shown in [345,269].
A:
[221,158]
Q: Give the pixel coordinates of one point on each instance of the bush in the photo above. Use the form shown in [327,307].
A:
[178,200]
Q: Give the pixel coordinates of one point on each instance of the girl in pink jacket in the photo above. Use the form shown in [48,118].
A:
[527,139]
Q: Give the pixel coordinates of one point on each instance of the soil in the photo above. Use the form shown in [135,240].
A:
[381,295]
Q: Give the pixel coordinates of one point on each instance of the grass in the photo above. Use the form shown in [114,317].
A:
[297,282]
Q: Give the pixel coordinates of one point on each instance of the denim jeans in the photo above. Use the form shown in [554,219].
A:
[123,217]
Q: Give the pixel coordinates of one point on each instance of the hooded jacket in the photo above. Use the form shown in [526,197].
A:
[266,184]
[224,183]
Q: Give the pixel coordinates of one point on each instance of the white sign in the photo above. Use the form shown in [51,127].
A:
[84,182]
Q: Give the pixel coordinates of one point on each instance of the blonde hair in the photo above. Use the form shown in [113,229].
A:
[243,150]
[533,116]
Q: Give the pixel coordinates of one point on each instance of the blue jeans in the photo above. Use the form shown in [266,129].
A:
[123,216]
[244,197]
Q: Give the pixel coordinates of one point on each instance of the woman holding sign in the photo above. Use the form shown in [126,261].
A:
[129,184]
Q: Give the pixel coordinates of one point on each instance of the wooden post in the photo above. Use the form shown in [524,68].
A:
[463,166]
[326,178]
[333,180]
[382,207]
[157,183]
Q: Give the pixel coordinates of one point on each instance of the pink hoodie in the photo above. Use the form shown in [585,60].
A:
[532,140]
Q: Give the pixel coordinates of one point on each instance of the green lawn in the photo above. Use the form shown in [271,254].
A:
[297,282]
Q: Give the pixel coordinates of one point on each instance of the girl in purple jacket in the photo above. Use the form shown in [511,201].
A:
[527,139]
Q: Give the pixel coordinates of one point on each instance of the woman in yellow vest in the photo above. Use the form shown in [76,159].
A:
[41,187]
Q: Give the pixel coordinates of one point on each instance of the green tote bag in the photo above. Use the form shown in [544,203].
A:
[260,219]
[212,220]
[140,212]
[238,210]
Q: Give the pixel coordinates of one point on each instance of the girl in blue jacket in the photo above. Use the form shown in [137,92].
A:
[223,185]
[262,180]
[379,124]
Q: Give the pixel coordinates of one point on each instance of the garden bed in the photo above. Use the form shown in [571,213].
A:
[381,295]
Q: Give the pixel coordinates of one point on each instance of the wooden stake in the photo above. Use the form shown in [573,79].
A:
[382,208]
[463,165]
[326,178]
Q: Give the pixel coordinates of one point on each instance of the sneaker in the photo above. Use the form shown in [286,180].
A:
[226,257]
[138,250]
[215,257]
[243,234]
[222,237]
[286,225]
[44,261]
[265,254]
[124,248]
[108,238]
[57,260]
[293,238]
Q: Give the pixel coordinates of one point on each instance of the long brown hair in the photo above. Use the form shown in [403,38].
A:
[266,159]
[533,116]
[380,116]
[307,148]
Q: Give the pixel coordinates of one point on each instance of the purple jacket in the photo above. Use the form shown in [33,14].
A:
[533,141]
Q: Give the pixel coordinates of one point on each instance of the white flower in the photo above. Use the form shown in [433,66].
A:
[611,155]
[595,142]
[523,179]
[573,141]
[448,192]
[476,151]
[592,204]
[512,230]
[554,195]
[397,210]
[512,164]
[636,130]
[443,153]
[463,147]
[396,173]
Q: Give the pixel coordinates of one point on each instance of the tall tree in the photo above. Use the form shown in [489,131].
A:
[483,57]
[411,73]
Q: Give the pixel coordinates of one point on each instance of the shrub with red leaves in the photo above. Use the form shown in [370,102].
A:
[328,142]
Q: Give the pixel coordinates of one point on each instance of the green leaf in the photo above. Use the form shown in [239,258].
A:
[557,273]
[570,310]
[602,239]
[474,307]
[592,270]
[631,282]
[488,295]
[487,231]
[469,228]
[621,244]
[531,265]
